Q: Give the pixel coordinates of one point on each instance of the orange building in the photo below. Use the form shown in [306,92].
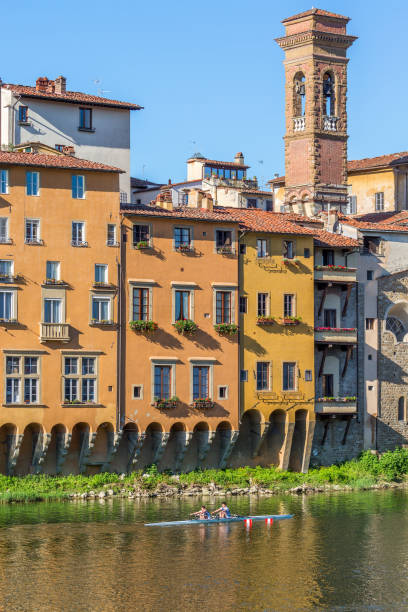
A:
[58,305]
[180,333]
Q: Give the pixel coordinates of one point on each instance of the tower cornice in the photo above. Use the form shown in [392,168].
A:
[343,41]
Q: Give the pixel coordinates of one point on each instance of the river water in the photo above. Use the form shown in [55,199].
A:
[341,552]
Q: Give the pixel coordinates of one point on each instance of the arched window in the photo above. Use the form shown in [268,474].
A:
[328,95]
[299,95]
[396,327]
[401,409]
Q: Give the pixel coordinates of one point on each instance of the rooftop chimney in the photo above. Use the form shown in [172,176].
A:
[239,159]
[41,84]
[332,221]
[60,85]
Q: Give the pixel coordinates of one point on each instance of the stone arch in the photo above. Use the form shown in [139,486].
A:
[8,435]
[396,321]
[78,449]
[56,450]
[329,94]
[101,449]
[129,446]
[219,445]
[248,440]
[198,447]
[297,451]
[299,94]
[175,448]
[29,449]
[273,447]
[154,438]
[401,409]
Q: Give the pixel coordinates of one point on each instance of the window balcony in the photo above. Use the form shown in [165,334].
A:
[7,278]
[336,335]
[112,243]
[34,241]
[225,250]
[184,248]
[53,282]
[330,124]
[4,240]
[79,243]
[299,124]
[58,332]
[97,322]
[335,274]
[336,405]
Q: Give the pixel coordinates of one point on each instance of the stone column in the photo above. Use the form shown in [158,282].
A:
[264,427]
[87,445]
[40,450]
[228,449]
[204,448]
[308,444]
[62,444]
[13,451]
[163,438]
[135,443]
[114,440]
[287,445]
[182,445]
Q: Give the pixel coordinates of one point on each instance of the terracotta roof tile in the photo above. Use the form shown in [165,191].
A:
[386,222]
[41,160]
[221,164]
[75,97]
[219,214]
[257,192]
[328,239]
[377,162]
[315,11]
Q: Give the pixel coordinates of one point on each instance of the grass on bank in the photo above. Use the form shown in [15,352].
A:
[364,472]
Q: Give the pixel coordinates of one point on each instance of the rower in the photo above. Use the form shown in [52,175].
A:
[223,512]
[202,514]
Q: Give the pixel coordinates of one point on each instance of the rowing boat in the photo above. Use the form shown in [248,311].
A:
[212,521]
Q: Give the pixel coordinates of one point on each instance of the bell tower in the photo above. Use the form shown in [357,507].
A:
[315,46]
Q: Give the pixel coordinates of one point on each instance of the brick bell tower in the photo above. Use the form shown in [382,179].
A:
[315,46]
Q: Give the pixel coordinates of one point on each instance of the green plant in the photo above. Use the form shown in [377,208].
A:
[185,326]
[143,326]
[143,244]
[226,329]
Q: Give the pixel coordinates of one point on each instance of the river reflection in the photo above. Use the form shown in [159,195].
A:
[340,552]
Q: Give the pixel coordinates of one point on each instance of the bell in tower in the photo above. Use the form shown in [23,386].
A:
[315,45]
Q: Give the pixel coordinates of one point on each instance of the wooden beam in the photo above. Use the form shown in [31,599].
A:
[346,431]
[348,357]
[326,348]
[346,301]
[324,294]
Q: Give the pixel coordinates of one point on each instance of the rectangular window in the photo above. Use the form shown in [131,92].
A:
[379,201]
[182,305]
[141,234]
[52,310]
[262,310]
[33,183]
[162,381]
[52,271]
[23,114]
[262,376]
[308,375]
[6,268]
[3,181]
[328,257]
[328,385]
[268,205]
[243,304]
[6,305]
[330,317]
[78,233]
[369,324]
[140,304]
[370,275]
[223,307]
[201,375]
[22,377]
[251,202]
[59,147]
[182,237]
[288,249]
[85,118]
[288,305]
[289,376]
[261,247]
[100,309]
[101,273]
[80,380]
[78,186]
[223,239]
[111,234]
[32,231]
[306,253]
[223,392]
[137,392]
[352,205]
[243,376]
[4,236]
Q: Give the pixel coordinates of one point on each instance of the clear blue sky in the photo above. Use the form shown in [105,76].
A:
[209,74]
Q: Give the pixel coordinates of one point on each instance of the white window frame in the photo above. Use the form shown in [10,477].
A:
[269,387]
[379,201]
[268,303]
[61,311]
[31,173]
[233,238]
[21,376]
[76,177]
[150,239]
[13,291]
[77,243]
[296,378]
[80,377]
[35,222]
[113,242]
[219,398]
[133,392]
[184,227]
[190,287]
[263,240]
[163,361]
[202,361]
[58,266]
[141,284]
[4,181]
[294,304]
[106,273]
[11,266]
[102,296]
[5,239]
[225,287]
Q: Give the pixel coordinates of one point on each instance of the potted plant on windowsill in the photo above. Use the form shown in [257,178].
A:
[226,329]
[202,403]
[143,244]
[291,320]
[185,327]
[162,403]
[265,320]
[143,326]
[183,248]
[287,261]
[225,250]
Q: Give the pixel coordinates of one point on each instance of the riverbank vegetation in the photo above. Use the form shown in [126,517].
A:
[369,471]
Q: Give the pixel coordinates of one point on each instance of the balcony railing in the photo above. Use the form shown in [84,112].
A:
[7,278]
[330,124]
[34,241]
[336,335]
[54,332]
[339,274]
[79,243]
[336,405]
[4,240]
[299,124]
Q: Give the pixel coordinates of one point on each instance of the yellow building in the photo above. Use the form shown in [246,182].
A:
[276,340]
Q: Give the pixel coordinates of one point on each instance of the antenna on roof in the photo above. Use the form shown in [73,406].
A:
[100,90]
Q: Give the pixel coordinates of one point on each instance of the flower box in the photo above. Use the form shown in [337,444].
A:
[184,248]
[336,329]
[290,320]
[348,398]
[101,322]
[226,329]
[336,268]
[144,244]
[185,327]
[166,404]
[204,403]
[225,250]
[265,320]
[143,326]
[54,281]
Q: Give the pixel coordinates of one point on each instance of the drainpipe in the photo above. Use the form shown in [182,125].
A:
[119,337]
[13,122]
